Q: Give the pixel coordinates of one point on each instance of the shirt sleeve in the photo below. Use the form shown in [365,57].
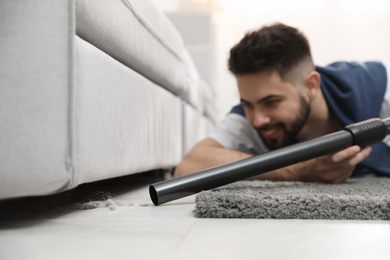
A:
[236,133]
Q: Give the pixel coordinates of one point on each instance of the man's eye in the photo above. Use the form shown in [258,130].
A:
[272,102]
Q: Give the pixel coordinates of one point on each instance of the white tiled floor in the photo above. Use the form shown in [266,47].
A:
[170,231]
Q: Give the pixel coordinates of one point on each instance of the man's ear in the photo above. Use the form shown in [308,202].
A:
[313,84]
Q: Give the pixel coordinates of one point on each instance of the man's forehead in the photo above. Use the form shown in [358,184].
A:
[260,81]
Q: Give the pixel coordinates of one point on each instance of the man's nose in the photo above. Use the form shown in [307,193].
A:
[260,119]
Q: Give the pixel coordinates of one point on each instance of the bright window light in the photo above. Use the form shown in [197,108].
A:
[362,6]
[250,6]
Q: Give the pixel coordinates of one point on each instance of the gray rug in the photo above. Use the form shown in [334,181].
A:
[364,198]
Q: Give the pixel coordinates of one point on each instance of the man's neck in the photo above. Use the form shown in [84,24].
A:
[320,122]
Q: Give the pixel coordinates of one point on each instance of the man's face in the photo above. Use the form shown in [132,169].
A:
[275,108]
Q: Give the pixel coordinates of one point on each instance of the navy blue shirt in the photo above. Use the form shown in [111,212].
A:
[354,92]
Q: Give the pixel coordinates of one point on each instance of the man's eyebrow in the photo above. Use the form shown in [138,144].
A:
[244,101]
[261,99]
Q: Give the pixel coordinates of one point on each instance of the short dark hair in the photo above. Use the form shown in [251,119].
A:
[276,47]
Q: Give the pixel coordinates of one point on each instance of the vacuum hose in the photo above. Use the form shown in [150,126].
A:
[362,134]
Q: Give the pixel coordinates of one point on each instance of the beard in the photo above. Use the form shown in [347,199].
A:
[290,135]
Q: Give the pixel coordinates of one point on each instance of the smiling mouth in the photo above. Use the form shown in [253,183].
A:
[270,132]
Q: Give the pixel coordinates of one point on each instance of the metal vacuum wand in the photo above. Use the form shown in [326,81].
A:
[362,134]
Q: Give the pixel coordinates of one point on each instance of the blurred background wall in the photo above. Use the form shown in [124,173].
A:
[351,30]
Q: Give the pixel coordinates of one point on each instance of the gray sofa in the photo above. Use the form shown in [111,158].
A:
[91,90]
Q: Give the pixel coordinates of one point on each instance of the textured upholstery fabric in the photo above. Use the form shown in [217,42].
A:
[118,97]
[35,90]
[111,25]
[156,50]
[196,127]
[124,122]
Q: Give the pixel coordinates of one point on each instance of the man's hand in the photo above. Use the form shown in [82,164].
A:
[333,168]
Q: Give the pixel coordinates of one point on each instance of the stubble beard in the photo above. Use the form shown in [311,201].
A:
[290,136]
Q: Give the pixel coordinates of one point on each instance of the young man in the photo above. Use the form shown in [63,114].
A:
[285,99]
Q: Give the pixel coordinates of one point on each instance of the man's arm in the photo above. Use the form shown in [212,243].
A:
[206,154]
[333,168]
[209,153]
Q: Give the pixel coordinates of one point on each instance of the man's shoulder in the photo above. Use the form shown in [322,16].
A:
[354,91]
[236,133]
[343,69]
[238,109]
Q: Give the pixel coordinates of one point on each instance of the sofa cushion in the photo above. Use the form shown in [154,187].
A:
[36,43]
[124,123]
[136,34]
